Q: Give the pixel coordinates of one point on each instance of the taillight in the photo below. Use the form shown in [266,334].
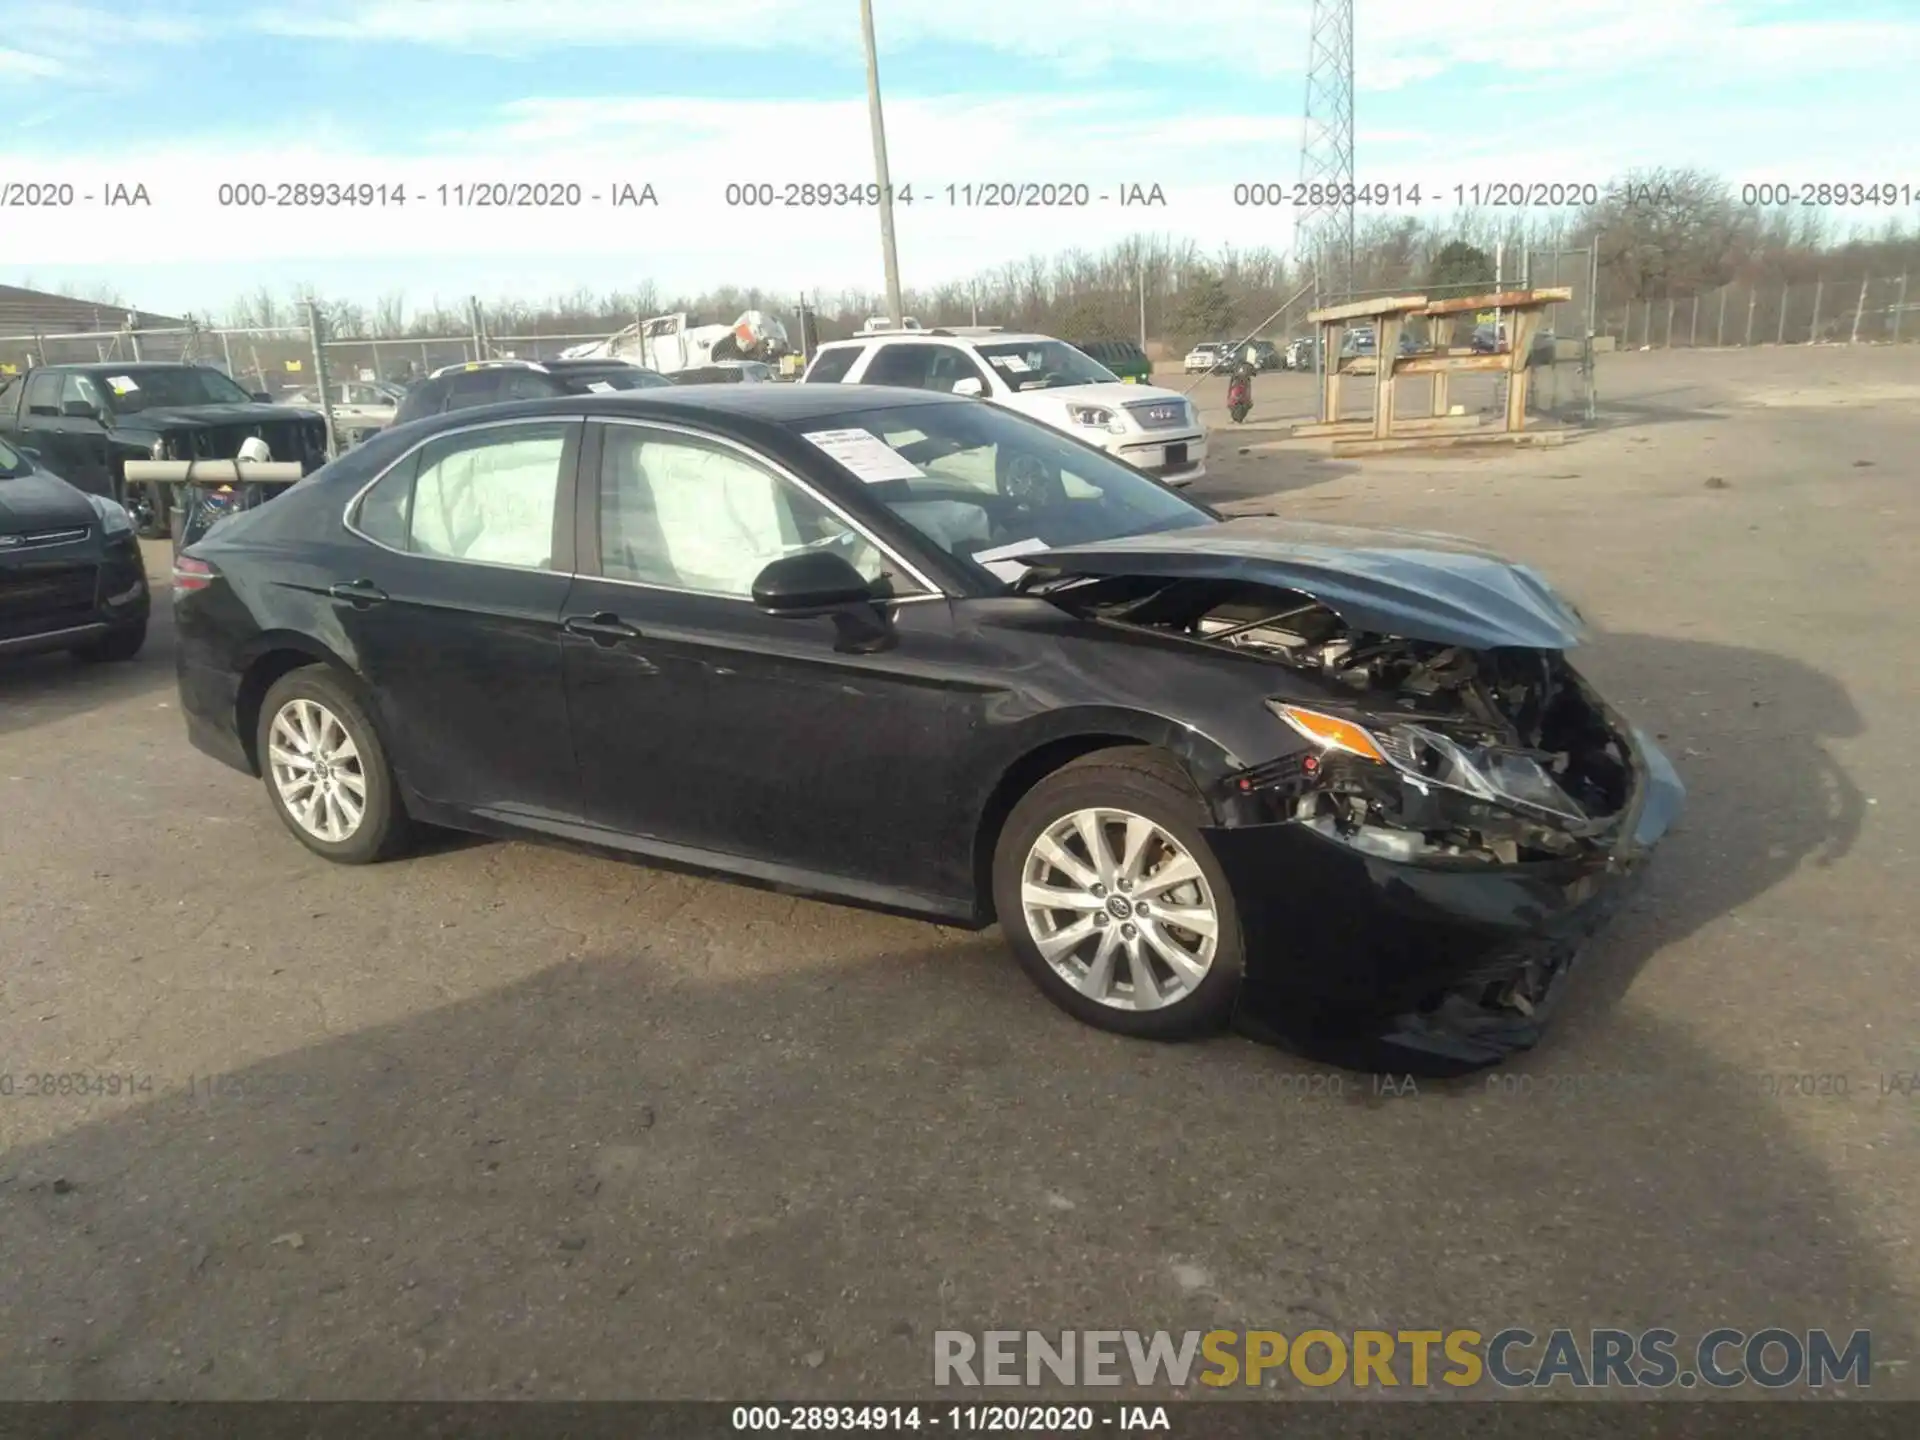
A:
[191,574]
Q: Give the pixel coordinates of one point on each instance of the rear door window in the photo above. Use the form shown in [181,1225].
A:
[831,366]
[490,495]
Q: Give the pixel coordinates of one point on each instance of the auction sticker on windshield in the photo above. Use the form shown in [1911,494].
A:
[866,455]
[121,384]
[1015,363]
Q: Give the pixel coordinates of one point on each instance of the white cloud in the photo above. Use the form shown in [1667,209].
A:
[24,64]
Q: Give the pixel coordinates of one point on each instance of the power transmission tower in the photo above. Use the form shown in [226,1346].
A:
[1324,233]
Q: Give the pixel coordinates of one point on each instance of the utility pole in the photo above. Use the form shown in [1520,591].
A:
[1323,230]
[896,314]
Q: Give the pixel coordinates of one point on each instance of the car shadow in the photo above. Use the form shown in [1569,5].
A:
[1725,715]
[608,1181]
[38,690]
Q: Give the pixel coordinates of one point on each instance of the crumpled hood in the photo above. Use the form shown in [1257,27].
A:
[1392,582]
[41,501]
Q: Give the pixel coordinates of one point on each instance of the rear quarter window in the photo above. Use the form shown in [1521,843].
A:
[831,366]
[383,512]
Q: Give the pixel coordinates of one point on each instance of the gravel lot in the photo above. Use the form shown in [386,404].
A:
[507,1121]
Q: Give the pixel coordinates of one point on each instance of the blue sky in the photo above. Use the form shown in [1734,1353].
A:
[689,94]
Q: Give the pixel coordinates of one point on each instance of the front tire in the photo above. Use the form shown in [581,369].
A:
[1113,902]
[326,771]
[152,513]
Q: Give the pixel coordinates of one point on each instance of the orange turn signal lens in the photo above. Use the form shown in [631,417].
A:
[1330,732]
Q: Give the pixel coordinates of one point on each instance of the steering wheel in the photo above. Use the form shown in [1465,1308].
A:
[1030,482]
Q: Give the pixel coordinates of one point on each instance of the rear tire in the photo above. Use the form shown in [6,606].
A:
[314,729]
[1192,977]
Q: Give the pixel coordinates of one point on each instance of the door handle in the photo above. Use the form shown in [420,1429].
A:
[362,593]
[604,628]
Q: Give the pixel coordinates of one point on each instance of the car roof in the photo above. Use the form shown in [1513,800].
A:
[130,367]
[919,337]
[774,404]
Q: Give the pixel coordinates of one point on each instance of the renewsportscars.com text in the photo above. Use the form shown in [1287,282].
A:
[1513,1358]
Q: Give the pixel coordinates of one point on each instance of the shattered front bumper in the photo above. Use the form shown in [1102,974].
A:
[1420,968]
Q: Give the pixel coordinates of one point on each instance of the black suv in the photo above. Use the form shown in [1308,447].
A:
[71,576]
[86,421]
[489,382]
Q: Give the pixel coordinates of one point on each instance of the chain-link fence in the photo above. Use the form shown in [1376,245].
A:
[279,360]
[1876,310]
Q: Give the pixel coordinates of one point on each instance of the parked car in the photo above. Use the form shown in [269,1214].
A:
[490,382]
[725,372]
[360,407]
[71,576]
[1159,431]
[917,653]
[1299,353]
[1123,357]
[87,421]
[1360,340]
[1205,358]
[1266,355]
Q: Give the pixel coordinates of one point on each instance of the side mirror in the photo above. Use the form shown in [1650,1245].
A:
[262,397]
[969,386]
[78,410]
[813,582]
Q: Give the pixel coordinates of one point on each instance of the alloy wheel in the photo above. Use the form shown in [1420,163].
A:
[317,770]
[1119,909]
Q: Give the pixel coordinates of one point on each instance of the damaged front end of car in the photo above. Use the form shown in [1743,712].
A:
[1446,820]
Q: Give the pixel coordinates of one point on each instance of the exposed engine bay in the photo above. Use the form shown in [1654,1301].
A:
[1502,755]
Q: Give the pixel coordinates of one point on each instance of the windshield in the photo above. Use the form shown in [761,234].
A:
[1044,365]
[988,485]
[137,390]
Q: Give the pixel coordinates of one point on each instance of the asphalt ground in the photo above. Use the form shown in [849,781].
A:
[509,1121]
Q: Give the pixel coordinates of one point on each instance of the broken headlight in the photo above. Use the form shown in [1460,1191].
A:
[1426,757]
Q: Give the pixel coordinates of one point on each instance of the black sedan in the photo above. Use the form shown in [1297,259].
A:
[916,653]
[71,577]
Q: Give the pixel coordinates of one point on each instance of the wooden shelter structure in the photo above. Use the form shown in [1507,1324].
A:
[1386,430]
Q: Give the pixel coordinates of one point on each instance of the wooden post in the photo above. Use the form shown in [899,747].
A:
[1524,323]
[1720,334]
[1440,393]
[1813,330]
[1693,326]
[1858,309]
[1753,299]
[1330,371]
[1387,346]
